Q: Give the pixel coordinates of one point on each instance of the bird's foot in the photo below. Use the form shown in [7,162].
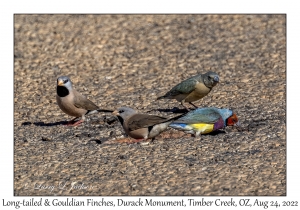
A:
[137,141]
[197,137]
[70,123]
[124,140]
[74,123]
[182,104]
[78,122]
[186,108]
[189,109]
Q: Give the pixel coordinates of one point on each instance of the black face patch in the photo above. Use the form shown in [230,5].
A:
[226,122]
[150,128]
[121,120]
[62,91]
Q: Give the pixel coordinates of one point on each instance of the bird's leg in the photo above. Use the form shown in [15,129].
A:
[193,105]
[184,106]
[197,136]
[74,123]
[71,122]
[78,122]
[136,141]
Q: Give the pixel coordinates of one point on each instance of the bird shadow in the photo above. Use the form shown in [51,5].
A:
[42,124]
[174,110]
[214,133]
[101,140]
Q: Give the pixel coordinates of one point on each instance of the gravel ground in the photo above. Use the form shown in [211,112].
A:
[129,60]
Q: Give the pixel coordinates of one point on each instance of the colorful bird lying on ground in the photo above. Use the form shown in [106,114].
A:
[192,89]
[205,120]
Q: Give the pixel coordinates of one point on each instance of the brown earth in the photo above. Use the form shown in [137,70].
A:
[129,60]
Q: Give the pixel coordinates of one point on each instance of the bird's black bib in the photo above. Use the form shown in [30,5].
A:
[62,91]
[121,120]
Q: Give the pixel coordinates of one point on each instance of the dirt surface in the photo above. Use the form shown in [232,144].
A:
[130,60]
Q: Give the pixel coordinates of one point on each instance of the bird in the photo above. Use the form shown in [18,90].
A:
[193,88]
[73,103]
[205,120]
[142,126]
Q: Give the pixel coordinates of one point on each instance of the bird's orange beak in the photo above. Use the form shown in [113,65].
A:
[116,113]
[60,83]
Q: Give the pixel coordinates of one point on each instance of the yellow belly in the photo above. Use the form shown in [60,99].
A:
[203,128]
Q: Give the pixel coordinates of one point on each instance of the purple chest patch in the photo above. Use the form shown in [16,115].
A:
[219,124]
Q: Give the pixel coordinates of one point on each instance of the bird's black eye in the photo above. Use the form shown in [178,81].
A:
[121,111]
[65,81]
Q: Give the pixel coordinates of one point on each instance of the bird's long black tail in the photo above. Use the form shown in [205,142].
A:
[104,110]
[161,97]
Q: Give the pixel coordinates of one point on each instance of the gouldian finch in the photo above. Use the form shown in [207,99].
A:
[192,89]
[205,120]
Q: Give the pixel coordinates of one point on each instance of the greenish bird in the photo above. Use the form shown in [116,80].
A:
[192,89]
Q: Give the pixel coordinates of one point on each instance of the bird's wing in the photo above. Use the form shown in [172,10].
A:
[82,102]
[138,121]
[185,87]
[208,116]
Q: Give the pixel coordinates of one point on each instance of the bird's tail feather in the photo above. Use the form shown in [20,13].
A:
[161,97]
[177,117]
[171,120]
[104,110]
